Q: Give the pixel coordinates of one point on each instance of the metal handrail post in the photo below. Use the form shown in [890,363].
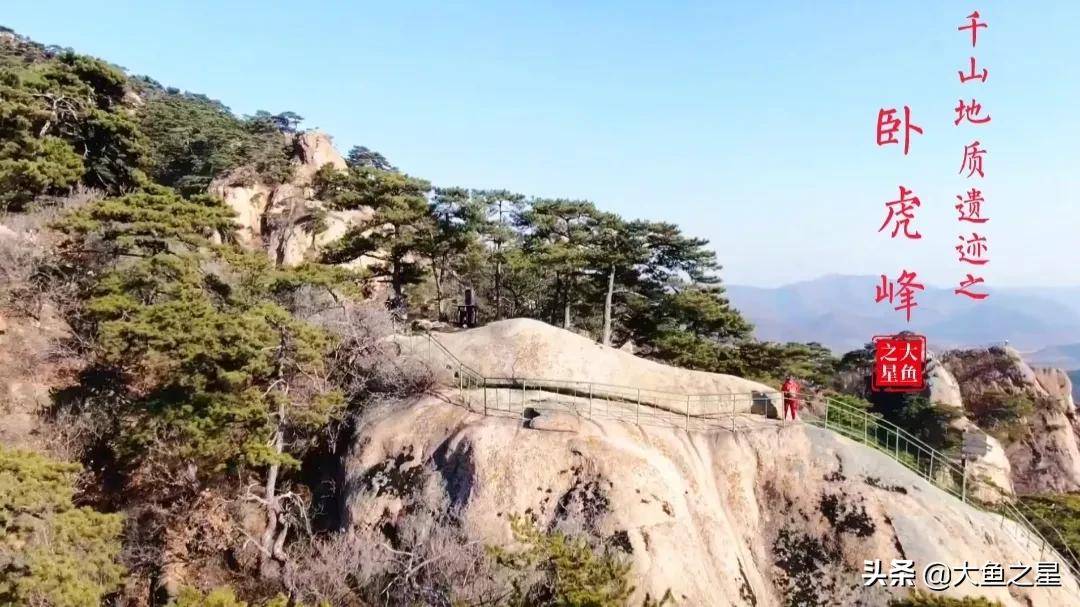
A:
[590,400]
[963,481]
[475,380]
[637,408]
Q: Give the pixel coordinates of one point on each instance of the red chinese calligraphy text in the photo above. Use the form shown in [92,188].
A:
[972,74]
[973,250]
[970,112]
[970,208]
[888,127]
[966,284]
[975,25]
[903,289]
[973,159]
[901,213]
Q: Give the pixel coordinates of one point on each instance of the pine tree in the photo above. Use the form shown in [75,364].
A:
[394,235]
[558,233]
[195,357]
[52,553]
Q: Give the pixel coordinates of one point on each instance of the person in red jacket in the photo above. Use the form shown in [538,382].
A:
[791,397]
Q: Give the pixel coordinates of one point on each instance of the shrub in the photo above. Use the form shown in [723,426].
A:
[1001,414]
[552,568]
[924,599]
[52,553]
[1057,517]
[927,421]
[224,596]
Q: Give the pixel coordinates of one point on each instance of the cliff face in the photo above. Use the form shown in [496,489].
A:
[1043,447]
[769,514]
[777,515]
[282,219]
[994,467]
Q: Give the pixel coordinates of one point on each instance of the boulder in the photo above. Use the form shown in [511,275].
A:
[279,218]
[554,421]
[991,472]
[1044,453]
[942,387]
[1058,387]
[531,349]
[769,516]
[314,149]
[249,202]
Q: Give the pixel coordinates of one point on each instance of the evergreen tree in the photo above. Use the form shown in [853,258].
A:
[61,122]
[450,238]
[32,164]
[194,139]
[360,156]
[195,357]
[394,235]
[617,251]
[500,209]
[558,234]
[51,552]
[572,573]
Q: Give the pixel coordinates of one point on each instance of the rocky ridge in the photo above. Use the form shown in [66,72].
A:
[1044,449]
[286,220]
[770,515]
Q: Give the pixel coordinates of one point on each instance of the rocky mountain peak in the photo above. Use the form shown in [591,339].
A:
[279,218]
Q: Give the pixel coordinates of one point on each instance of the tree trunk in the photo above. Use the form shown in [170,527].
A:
[607,306]
[270,563]
[395,279]
[498,282]
[566,306]
[438,292]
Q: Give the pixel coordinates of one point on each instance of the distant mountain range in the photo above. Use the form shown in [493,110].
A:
[1065,357]
[839,311]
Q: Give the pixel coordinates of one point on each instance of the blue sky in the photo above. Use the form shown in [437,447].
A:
[750,124]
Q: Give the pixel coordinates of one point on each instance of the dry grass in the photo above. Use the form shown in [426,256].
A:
[422,558]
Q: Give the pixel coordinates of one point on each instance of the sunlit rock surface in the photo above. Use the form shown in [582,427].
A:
[769,514]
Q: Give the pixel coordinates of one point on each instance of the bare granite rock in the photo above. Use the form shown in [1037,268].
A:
[778,515]
[764,514]
[943,387]
[281,219]
[1045,453]
[527,348]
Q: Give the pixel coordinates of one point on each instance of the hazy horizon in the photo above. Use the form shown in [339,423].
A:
[749,125]
[870,277]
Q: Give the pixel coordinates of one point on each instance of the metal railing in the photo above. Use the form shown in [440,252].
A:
[711,412]
[588,399]
[941,471]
